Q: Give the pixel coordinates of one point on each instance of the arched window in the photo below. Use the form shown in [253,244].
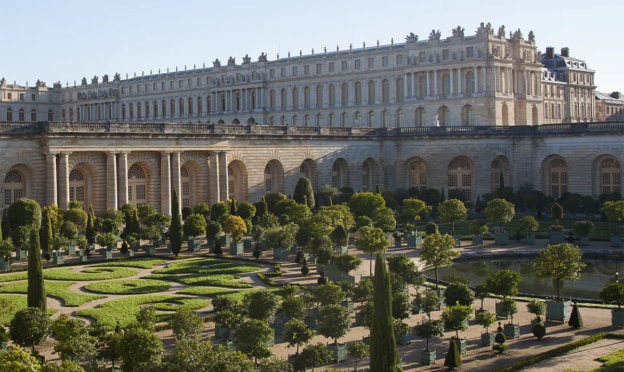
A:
[422,86]
[344,94]
[283,99]
[610,176]
[21,115]
[137,185]
[237,181]
[273,177]
[283,120]
[385,118]
[358,93]
[467,116]
[13,188]
[357,117]
[332,120]
[172,110]
[343,119]
[419,117]
[499,174]
[181,107]
[417,175]
[295,120]
[155,105]
[505,114]
[123,111]
[558,173]
[460,179]
[306,120]
[76,186]
[252,99]
[295,98]
[371,92]
[272,99]
[139,112]
[469,86]
[445,85]
[319,96]
[131,111]
[185,180]
[164,108]
[443,113]
[400,89]
[399,118]
[147,110]
[332,95]
[190,106]
[371,119]
[33,115]
[200,108]
[208,104]
[306,97]
[237,100]
[369,175]
[318,120]
[535,116]
[50,115]
[71,114]
[309,170]
[340,174]
[385,91]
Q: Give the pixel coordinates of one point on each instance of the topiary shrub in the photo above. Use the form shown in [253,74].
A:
[575,317]
[500,340]
[538,330]
[431,228]
[453,360]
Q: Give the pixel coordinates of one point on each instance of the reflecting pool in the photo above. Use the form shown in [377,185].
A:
[594,277]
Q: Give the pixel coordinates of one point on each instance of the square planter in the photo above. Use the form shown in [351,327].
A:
[222,332]
[229,345]
[21,254]
[225,240]
[556,237]
[428,357]
[71,250]
[339,352]
[135,246]
[584,241]
[457,240]
[248,245]
[501,238]
[194,244]
[487,339]
[558,310]
[500,310]
[4,265]
[403,339]
[310,322]
[236,248]
[617,318]
[150,249]
[348,305]
[341,249]
[529,239]
[477,240]
[106,254]
[280,253]
[413,241]
[397,243]
[616,241]
[57,258]
[278,328]
[83,258]
[512,330]
[461,345]
[130,253]
[294,248]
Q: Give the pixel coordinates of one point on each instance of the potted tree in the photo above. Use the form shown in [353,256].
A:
[347,263]
[107,240]
[458,292]
[194,226]
[69,231]
[455,318]
[614,211]
[504,283]
[58,244]
[500,211]
[402,332]
[528,225]
[583,228]
[614,293]
[412,237]
[438,251]
[411,211]
[512,330]
[297,334]
[83,246]
[538,308]
[213,230]
[236,228]
[485,319]
[153,235]
[559,262]
[556,234]
[281,239]
[453,210]
[478,228]
[339,238]
[334,322]
[481,292]
[429,328]
[6,249]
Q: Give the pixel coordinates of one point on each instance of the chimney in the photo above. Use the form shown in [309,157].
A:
[615,95]
[565,52]
[550,53]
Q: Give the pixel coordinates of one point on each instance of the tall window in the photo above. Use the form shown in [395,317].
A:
[469,87]
[558,171]
[295,98]
[340,174]
[460,178]
[181,107]
[420,117]
[21,115]
[137,185]
[358,93]
[385,91]
[76,186]
[369,175]
[273,177]
[467,116]
[371,118]
[399,118]
[185,180]
[33,115]
[344,94]
[371,92]
[499,174]
[417,175]
[9,114]
[13,188]
[306,97]
[443,114]
[332,95]
[319,96]
[400,89]
[610,176]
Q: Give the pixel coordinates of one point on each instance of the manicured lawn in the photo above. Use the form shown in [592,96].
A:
[13,277]
[230,281]
[613,362]
[89,273]
[15,303]
[124,309]
[130,286]
[53,289]
[207,266]
[141,263]
[207,291]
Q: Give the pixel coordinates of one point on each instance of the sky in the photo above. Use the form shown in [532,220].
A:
[66,40]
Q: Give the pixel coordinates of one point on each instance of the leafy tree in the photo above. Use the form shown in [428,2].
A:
[457,292]
[330,294]
[282,236]
[220,212]
[90,228]
[528,224]
[304,194]
[16,359]
[274,364]
[613,293]
[186,323]
[438,250]
[401,305]
[363,290]
[371,240]
[334,321]
[175,229]
[298,333]
[146,318]
[30,327]
[413,210]
[339,236]
[455,317]
[481,292]
[191,354]
[109,345]
[236,227]
[24,212]
[36,293]
[72,339]
[106,239]
[403,272]
[384,219]
[246,210]
[77,216]
[69,230]
[253,337]
[452,210]
[614,210]
[504,283]
[485,319]
[194,225]
[313,356]
[46,230]
[261,305]
[347,262]
[358,351]
[384,356]
[560,262]
[294,211]
[364,318]
[6,249]
[430,328]
[213,230]
[499,210]
[150,346]
[366,204]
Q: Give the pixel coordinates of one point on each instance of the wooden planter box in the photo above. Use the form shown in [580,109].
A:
[477,240]
[21,254]
[57,258]
[229,345]
[4,265]
[236,248]
[106,253]
[222,332]
[512,330]
[616,241]
[500,310]
[428,357]
[461,345]
[341,249]
[487,339]
[529,239]
[501,238]
[558,310]
[413,241]
[403,339]
[584,241]
[194,245]
[339,352]
[556,237]
[280,253]
[348,305]
[150,250]
[248,245]
[617,318]
[225,240]
[71,250]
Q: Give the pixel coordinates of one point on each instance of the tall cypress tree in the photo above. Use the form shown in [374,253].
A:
[383,349]
[304,194]
[46,230]
[175,229]
[36,287]
[90,230]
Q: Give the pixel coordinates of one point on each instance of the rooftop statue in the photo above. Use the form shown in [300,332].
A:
[411,38]
[435,35]
[458,32]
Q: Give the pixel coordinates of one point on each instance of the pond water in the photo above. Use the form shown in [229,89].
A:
[594,277]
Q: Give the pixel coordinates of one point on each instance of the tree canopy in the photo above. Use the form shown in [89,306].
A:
[560,262]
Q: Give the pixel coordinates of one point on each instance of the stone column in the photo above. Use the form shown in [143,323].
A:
[213,164]
[111,180]
[451,81]
[51,182]
[123,179]
[459,81]
[428,84]
[63,180]
[175,176]
[165,183]
[223,176]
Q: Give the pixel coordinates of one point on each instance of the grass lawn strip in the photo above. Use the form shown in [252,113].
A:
[230,281]
[124,309]
[89,274]
[141,263]
[207,291]
[13,277]
[53,289]
[129,286]
[16,302]
[206,266]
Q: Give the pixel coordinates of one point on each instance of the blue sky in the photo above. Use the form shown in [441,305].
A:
[65,40]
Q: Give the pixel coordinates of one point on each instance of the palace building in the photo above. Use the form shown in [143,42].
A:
[451,113]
